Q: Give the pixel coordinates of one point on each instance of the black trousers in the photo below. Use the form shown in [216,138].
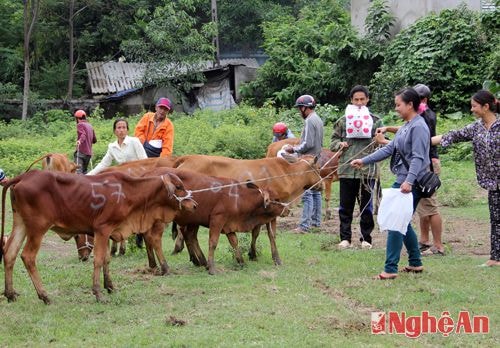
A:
[352,190]
[494,203]
[82,160]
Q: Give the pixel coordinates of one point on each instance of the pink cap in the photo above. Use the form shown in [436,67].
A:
[164,102]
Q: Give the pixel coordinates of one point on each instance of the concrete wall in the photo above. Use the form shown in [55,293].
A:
[406,11]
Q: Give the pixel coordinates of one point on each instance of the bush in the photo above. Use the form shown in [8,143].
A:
[442,50]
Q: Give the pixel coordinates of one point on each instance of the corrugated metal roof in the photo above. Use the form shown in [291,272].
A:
[112,77]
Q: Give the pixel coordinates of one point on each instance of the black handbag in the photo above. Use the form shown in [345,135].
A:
[428,184]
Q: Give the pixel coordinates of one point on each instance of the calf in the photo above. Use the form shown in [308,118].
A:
[57,162]
[108,205]
[288,180]
[224,206]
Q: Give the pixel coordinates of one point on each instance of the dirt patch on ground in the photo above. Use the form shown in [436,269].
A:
[461,236]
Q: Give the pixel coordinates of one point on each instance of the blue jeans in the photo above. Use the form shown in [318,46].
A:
[311,209]
[395,241]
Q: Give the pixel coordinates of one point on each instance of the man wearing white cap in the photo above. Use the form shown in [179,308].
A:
[156,131]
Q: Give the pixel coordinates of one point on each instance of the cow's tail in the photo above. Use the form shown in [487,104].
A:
[175,231]
[4,193]
[38,160]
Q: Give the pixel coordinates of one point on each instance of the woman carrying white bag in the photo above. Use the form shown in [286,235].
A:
[411,142]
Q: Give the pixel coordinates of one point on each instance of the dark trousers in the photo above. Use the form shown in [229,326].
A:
[83,161]
[494,203]
[352,190]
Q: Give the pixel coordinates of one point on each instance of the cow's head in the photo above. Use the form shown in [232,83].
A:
[84,246]
[175,188]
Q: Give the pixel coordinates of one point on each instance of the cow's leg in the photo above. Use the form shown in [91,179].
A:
[28,256]
[11,249]
[213,240]
[149,250]
[100,250]
[114,248]
[155,235]
[179,242]
[123,247]
[328,193]
[108,284]
[271,233]
[233,240]
[196,255]
[252,253]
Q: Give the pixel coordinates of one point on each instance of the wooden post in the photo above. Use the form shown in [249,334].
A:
[215,40]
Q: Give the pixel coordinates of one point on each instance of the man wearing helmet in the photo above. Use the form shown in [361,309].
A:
[85,138]
[311,143]
[354,134]
[427,208]
[281,132]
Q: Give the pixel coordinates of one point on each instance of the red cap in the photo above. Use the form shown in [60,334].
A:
[164,102]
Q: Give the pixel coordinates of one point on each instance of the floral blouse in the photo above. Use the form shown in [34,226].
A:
[486,145]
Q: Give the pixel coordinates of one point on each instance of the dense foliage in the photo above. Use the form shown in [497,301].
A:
[445,51]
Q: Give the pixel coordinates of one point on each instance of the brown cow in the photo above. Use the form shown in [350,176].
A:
[288,180]
[328,171]
[224,206]
[106,205]
[59,162]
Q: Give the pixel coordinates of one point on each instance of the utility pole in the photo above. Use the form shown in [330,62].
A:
[215,40]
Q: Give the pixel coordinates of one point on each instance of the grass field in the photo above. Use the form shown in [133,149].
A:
[319,297]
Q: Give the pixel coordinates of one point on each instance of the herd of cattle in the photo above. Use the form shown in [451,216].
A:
[141,197]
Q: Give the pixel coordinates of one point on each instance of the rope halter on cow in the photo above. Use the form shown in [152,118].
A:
[189,194]
[87,245]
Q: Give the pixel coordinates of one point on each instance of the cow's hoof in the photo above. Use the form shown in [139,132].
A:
[164,270]
[45,299]
[12,296]
[328,215]
[277,262]
[252,256]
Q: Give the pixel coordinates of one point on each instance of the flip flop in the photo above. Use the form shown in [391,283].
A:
[432,251]
[423,246]
[408,269]
[383,277]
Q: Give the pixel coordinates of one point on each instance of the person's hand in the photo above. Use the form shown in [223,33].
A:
[381,130]
[78,143]
[357,163]
[289,149]
[344,144]
[380,138]
[406,187]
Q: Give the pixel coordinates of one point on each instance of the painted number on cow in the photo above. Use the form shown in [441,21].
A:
[99,198]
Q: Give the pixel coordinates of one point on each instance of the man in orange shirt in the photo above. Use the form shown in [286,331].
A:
[156,131]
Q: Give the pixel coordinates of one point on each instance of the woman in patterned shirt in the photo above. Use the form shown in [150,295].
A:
[485,137]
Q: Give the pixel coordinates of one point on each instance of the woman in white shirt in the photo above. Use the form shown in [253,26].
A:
[124,149]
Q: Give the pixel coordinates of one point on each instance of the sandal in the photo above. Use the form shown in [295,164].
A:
[383,277]
[432,251]
[423,246]
[410,269]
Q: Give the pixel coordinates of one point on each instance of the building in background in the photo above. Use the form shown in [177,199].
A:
[407,12]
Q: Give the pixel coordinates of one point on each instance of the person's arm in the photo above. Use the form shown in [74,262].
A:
[141,128]
[168,140]
[419,152]
[139,151]
[308,138]
[436,140]
[390,129]
[338,140]
[457,136]
[106,161]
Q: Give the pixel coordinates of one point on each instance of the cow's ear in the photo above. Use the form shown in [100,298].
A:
[289,158]
[167,181]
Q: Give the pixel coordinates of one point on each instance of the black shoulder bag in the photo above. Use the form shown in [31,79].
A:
[429,183]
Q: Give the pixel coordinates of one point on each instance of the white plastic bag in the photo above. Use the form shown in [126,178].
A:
[395,211]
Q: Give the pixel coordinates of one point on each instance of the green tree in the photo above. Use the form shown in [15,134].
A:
[314,54]
[442,50]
